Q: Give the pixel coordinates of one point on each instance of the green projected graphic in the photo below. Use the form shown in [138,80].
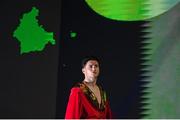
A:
[130,10]
[30,34]
[73,34]
[163,55]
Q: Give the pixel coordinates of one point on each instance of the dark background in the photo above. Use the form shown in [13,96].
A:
[116,43]
[28,82]
[37,84]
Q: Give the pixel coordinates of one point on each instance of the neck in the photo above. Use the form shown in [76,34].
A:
[92,84]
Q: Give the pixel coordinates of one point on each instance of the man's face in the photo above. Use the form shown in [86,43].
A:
[91,70]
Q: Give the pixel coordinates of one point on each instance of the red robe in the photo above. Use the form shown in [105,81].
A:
[82,104]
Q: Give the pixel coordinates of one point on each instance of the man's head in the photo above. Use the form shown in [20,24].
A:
[90,68]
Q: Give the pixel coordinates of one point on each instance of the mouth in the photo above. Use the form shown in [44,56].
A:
[94,72]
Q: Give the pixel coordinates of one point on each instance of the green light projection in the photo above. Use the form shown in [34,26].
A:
[31,35]
[130,10]
[163,55]
[161,49]
[73,34]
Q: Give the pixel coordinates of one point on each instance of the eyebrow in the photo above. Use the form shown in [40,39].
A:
[93,64]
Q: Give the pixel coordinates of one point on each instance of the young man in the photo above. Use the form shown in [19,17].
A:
[87,99]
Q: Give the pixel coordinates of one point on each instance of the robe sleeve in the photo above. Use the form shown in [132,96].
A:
[74,106]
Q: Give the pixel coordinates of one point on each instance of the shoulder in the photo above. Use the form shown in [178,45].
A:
[77,88]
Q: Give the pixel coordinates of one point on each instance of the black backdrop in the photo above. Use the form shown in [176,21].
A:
[28,82]
[116,43]
[37,85]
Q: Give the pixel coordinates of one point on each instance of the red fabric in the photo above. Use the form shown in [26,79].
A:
[80,107]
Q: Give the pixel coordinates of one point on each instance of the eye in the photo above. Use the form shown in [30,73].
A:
[90,66]
[96,66]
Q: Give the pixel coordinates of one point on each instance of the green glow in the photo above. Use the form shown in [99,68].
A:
[130,10]
[30,34]
[163,89]
[73,34]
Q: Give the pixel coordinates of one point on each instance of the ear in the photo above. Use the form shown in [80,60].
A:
[83,70]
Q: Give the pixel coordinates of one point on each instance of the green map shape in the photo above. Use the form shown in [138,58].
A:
[30,34]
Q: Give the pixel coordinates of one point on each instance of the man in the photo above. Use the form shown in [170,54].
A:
[87,99]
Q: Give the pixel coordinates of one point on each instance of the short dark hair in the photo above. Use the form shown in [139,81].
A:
[87,58]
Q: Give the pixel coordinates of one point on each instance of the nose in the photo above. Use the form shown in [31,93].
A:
[94,68]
